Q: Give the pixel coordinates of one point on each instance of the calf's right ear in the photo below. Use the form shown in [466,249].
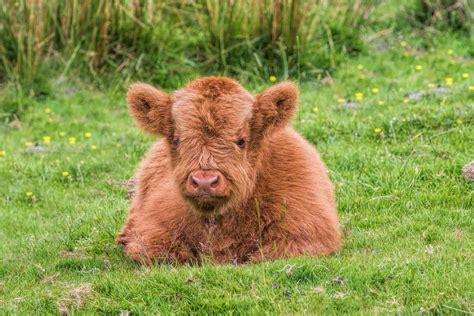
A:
[151,108]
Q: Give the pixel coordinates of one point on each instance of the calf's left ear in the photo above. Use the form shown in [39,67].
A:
[275,107]
[151,108]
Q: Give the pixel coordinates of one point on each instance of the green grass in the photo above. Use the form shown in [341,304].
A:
[167,41]
[405,207]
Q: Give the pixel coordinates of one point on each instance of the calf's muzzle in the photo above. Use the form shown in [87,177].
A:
[202,183]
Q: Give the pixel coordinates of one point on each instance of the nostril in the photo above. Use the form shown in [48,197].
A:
[214,181]
[194,182]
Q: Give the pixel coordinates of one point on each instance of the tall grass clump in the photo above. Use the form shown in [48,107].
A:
[167,42]
[282,37]
[170,40]
[96,35]
[454,15]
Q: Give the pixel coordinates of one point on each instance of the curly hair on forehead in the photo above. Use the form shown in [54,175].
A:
[214,87]
[229,180]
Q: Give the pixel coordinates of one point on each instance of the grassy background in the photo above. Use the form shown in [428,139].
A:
[394,123]
[406,210]
[169,41]
[113,42]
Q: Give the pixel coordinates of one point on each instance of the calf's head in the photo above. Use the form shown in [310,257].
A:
[214,130]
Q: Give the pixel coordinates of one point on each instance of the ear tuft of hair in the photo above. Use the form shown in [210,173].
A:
[275,107]
[151,108]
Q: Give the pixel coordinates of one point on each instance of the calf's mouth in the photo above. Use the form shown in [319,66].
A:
[206,203]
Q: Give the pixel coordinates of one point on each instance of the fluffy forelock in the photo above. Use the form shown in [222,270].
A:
[219,104]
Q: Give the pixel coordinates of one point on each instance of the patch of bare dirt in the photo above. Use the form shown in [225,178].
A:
[73,298]
[128,185]
[468,171]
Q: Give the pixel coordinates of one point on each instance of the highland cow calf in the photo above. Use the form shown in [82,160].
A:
[229,180]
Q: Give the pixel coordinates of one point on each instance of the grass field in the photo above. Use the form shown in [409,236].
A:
[395,152]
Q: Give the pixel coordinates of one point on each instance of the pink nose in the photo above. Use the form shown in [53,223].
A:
[206,182]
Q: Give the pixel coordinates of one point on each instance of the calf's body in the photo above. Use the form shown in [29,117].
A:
[283,206]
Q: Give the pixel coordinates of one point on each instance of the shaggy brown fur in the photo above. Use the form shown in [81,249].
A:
[270,196]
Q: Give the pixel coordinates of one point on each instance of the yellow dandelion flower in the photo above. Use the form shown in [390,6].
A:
[71,140]
[273,78]
[360,66]
[381,102]
[403,44]
[28,144]
[341,100]
[375,90]
[449,81]
[46,139]
[459,121]
[3,153]
[418,67]
[377,130]
[431,85]
[62,134]
[406,100]
[450,51]
[29,194]
[359,96]
[65,173]
[93,147]
[465,75]
[47,110]
[88,134]
[315,109]
[471,88]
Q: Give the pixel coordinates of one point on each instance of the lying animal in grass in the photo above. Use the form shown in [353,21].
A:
[229,180]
